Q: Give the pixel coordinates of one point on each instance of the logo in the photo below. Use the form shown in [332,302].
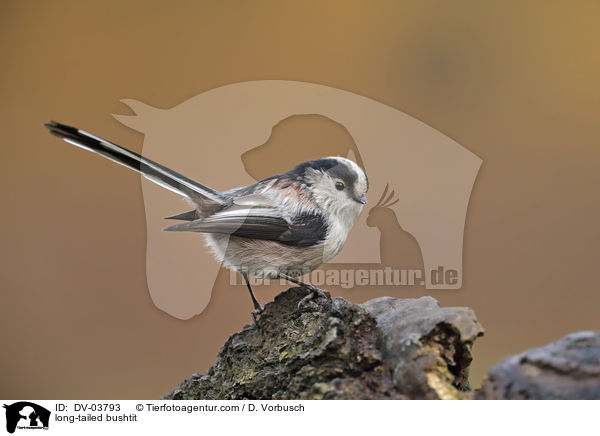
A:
[240,133]
[26,415]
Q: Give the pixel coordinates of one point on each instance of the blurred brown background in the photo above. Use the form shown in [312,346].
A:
[516,83]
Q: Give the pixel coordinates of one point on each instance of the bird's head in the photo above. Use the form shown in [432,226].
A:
[338,185]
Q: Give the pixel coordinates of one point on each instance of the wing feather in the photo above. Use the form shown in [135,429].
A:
[261,223]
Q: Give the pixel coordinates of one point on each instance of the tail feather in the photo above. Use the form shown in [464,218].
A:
[153,171]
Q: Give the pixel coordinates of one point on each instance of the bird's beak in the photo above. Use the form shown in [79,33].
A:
[362,199]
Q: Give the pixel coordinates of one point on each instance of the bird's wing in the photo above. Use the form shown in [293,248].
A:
[255,200]
[250,200]
[261,223]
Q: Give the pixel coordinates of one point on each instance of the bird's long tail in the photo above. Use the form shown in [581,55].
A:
[153,171]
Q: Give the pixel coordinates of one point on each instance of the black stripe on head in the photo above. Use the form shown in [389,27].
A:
[335,168]
[344,173]
[324,164]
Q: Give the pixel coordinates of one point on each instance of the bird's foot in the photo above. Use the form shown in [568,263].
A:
[309,299]
[314,291]
[256,313]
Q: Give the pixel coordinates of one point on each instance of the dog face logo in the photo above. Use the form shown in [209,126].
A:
[237,134]
[26,415]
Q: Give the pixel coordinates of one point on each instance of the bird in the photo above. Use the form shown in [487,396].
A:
[283,226]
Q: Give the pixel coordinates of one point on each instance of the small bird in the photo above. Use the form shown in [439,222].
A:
[284,226]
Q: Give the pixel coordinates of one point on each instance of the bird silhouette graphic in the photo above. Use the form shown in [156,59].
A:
[398,248]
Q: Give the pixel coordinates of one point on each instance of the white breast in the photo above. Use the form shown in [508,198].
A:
[336,237]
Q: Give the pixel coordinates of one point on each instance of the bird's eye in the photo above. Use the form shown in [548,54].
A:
[339,185]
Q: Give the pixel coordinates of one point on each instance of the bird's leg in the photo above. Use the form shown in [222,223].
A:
[314,290]
[258,309]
